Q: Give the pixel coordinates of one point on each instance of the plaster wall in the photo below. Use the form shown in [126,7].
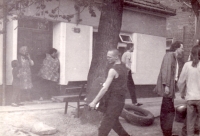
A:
[1,52]
[182,26]
[143,23]
[149,52]
[75,51]
[133,21]
[75,48]
[11,48]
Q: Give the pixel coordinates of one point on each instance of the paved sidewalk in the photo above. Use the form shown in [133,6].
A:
[151,104]
[33,106]
[154,104]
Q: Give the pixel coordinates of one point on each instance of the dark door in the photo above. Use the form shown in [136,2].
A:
[38,40]
[37,36]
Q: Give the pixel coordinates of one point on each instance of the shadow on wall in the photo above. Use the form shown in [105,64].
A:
[144,91]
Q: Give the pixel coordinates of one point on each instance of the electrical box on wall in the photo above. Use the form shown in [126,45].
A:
[77,30]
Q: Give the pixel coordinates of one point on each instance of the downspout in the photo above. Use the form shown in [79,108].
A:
[4,52]
[197,29]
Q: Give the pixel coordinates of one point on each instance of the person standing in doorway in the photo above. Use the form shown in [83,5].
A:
[50,74]
[127,60]
[15,84]
[166,86]
[114,91]
[189,86]
[25,63]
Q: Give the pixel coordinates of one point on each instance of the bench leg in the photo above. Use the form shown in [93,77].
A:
[66,106]
[78,108]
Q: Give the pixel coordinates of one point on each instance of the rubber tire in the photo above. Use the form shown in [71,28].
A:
[181,112]
[139,116]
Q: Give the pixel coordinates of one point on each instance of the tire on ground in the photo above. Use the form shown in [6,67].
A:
[136,115]
[181,112]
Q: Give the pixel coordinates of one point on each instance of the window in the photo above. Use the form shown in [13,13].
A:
[122,43]
[125,38]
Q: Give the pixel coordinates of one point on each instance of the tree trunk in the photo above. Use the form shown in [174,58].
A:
[108,35]
[196,6]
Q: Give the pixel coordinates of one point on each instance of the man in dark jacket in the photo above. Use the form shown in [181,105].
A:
[166,86]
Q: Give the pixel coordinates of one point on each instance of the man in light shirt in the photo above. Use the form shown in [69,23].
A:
[127,60]
[189,86]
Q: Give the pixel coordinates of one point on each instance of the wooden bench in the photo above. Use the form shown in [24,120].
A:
[72,98]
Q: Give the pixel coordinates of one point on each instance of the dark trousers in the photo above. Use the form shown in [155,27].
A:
[16,95]
[26,95]
[167,116]
[48,89]
[131,87]
[111,117]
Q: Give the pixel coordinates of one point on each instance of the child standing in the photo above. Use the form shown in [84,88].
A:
[16,84]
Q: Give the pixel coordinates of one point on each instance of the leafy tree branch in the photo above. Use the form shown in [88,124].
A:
[19,8]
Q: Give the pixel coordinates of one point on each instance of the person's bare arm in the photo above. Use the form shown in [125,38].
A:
[111,74]
[30,60]
[182,81]
[128,62]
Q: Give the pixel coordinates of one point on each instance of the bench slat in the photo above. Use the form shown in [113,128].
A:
[66,98]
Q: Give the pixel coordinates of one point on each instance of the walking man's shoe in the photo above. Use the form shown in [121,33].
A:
[138,104]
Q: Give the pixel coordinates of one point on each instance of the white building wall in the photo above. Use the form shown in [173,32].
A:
[147,59]
[76,48]
[11,48]
[59,41]
[78,52]
[1,52]
[75,51]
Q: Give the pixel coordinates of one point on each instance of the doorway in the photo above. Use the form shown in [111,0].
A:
[37,36]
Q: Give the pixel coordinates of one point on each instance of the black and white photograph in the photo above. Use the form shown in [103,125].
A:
[100,67]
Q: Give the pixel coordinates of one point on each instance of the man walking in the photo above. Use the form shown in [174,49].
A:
[114,91]
[166,86]
[127,60]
